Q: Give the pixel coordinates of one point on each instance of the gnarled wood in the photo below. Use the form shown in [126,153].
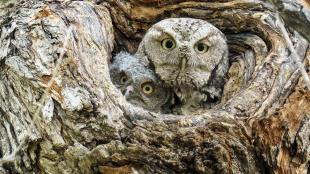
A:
[60,112]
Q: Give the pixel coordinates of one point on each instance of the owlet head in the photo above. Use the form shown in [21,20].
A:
[138,83]
[186,52]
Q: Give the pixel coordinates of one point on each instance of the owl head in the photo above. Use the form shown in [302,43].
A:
[138,83]
[186,52]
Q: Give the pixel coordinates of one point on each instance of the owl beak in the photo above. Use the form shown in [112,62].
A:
[128,91]
[183,63]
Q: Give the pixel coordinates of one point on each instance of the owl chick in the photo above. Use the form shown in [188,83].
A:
[189,55]
[139,84]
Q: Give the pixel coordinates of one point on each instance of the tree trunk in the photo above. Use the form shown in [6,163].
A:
[60,113]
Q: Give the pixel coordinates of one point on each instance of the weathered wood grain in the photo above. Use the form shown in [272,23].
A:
[60,113]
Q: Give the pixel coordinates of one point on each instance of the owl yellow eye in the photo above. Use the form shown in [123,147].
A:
[168,44]
[147,88]
[201,48]
[123,79]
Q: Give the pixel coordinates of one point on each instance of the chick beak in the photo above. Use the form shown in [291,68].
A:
[183,63]
[128,91]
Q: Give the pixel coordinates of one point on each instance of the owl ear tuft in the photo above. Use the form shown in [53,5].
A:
[155,33]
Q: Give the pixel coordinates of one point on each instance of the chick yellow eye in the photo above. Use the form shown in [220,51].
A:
[147,88]
[123,79]
[168,44]
[201,48]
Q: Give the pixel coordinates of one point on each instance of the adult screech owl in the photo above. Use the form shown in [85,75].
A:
[139,84]
[189,55]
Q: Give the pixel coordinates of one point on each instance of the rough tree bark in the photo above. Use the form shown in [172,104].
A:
[60,113]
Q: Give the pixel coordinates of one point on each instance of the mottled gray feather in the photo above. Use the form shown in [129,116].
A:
[196,77]
[139,76]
